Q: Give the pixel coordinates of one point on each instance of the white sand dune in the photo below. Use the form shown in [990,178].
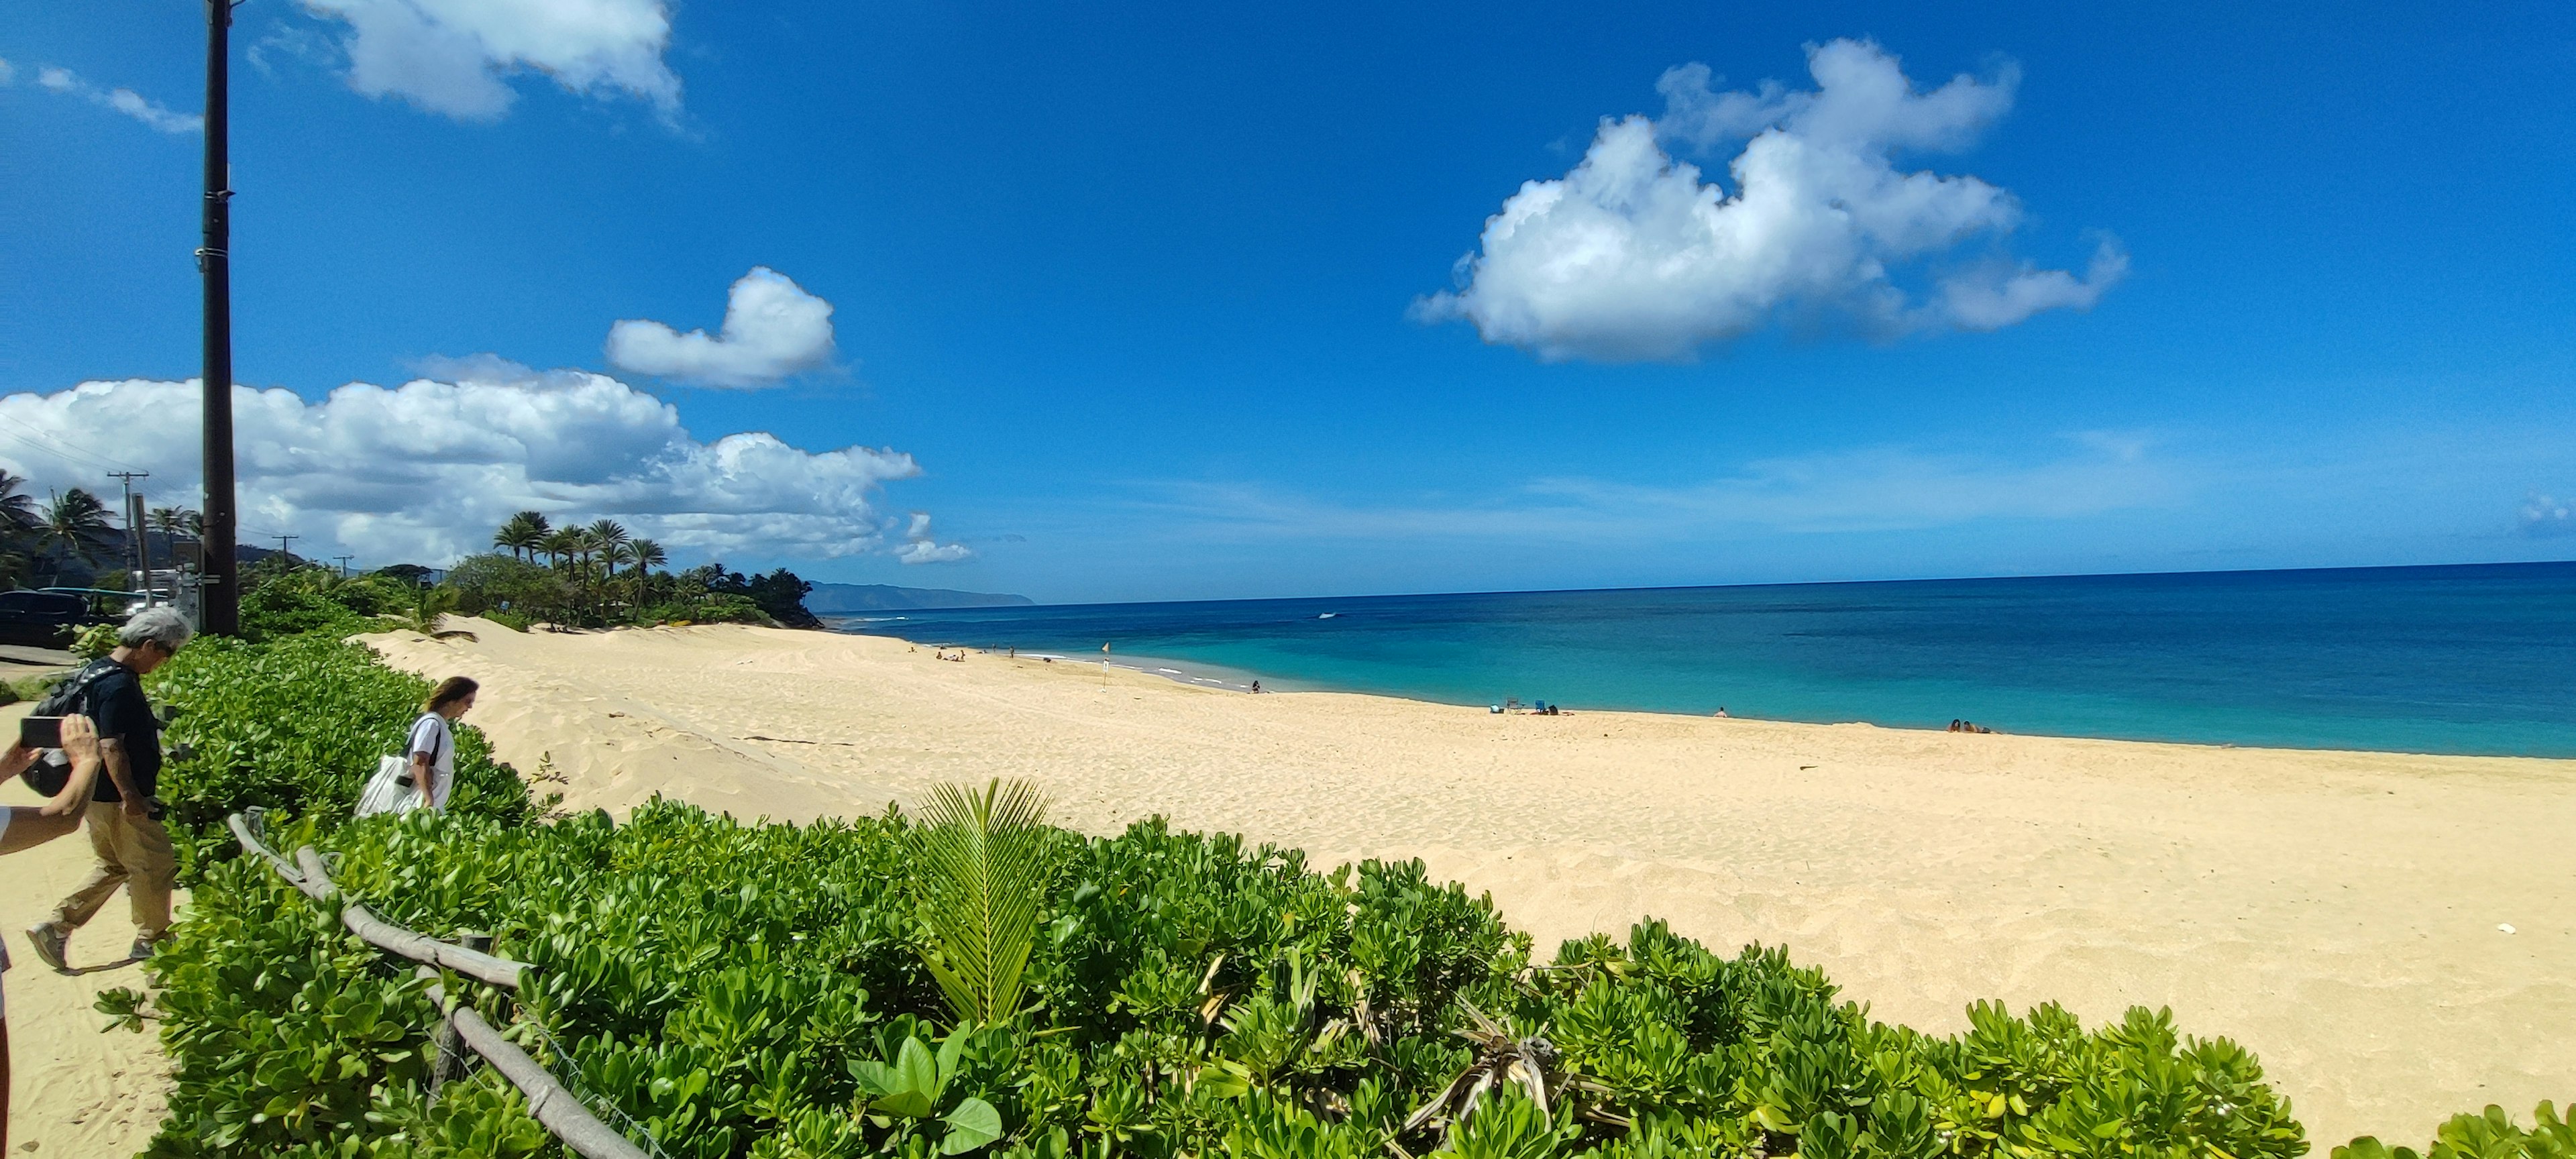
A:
[2336,912]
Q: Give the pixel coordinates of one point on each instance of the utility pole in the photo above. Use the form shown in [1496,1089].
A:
[282,541]
[134,530]
[219,593]
[344,564]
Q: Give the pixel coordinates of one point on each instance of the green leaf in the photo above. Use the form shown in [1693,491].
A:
[973,1124]
[983,863]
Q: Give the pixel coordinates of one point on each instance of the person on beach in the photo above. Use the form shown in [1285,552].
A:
[123,818]
[28,826]
[431,750]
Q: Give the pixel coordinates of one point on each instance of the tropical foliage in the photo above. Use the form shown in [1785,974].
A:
[599,574]
[295,725]
[63,538]
[977,982]
[762,990]
[2493,1135]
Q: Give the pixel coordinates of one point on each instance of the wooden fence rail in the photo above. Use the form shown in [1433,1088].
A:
[549,1101]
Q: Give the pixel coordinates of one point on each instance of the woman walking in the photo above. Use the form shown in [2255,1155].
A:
[431,751]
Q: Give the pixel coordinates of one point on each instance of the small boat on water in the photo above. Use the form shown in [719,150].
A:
[1328,615]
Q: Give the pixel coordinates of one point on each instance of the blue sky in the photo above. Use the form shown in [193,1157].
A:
[1128,302]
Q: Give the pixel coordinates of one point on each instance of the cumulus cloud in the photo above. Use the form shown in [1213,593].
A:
[920,547]
[451,56]
[1633,256]
[423,472]
[123,100]
[2545,516]
[772,329]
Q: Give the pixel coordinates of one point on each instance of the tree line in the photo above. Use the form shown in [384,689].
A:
[74,537]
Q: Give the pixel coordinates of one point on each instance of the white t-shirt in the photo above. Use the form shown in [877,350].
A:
[431,735]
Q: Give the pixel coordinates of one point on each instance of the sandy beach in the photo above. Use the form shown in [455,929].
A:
[2339,913]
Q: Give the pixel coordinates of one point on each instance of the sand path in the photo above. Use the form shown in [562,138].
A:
[2336,912]
[75,1092]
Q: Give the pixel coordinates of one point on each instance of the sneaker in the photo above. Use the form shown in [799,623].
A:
[141,950]
[49,940]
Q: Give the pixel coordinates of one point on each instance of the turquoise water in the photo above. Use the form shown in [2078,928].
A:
[2471,659]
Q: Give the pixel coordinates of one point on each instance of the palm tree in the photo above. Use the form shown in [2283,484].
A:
[645,555]
[75,526]
[607,533]
[18,523]
[523,534]
[17,511]
[176,522]
[559,545]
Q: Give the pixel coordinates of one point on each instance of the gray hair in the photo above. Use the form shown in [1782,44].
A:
[159,624]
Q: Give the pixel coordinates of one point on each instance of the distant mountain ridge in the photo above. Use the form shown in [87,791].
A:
[851,599]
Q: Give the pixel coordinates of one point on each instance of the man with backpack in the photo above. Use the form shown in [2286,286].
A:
[124,819]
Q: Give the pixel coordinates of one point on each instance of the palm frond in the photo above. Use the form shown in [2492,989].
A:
[983,861]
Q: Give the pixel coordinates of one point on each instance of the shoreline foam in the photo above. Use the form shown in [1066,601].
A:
[2336,912]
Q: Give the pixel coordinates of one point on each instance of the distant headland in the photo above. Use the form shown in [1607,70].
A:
[853,599]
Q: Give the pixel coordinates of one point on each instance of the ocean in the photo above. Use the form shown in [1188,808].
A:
[2477,659]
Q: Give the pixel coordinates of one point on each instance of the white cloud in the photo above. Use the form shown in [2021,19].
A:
[8,72]
[772,329]
[920,547]
[450,56]
[425,471]
[123,100]
[2545,516]
[1632,256]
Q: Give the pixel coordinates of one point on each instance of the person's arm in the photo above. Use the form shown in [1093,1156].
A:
[36,824]
[120,772]
[421,754]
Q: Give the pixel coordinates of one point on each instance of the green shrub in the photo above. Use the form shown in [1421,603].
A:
[296,725]
[706,609]
[2493,1135]
[31,687]
[760,990]
[94,641]
[496,585]
[291,605]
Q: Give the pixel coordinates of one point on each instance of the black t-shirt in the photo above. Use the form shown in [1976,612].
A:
[117,706]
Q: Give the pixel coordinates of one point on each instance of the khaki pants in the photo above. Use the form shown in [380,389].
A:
[132,852]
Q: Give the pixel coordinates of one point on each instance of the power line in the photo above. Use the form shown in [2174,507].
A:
[62,453]
[60,447]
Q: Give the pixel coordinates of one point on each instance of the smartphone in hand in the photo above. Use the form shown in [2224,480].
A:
[41,732]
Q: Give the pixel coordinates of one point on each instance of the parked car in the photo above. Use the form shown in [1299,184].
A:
[43,619]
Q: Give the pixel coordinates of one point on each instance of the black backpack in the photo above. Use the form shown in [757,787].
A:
[52,771]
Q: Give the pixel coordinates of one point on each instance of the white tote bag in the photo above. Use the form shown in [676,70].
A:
[390,790]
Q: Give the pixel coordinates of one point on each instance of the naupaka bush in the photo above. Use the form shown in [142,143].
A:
[761,990]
